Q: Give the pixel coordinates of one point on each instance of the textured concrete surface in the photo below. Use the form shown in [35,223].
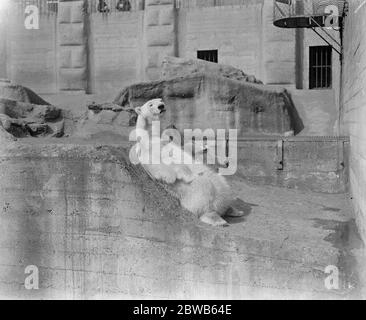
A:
[354,101]
[97,227]
[318,164]
[124,47]
[115,51]
[318,110]
[173,67]
[212,101]
[72,51]
[160,35]
[31,55]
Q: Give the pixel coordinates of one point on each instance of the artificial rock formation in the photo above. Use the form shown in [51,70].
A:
[173,67]
[104,121]
[198,95]
[24,114]
[206,100]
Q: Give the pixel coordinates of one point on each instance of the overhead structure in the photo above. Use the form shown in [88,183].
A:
[312,14]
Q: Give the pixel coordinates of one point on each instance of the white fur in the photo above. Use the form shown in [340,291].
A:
[199,189]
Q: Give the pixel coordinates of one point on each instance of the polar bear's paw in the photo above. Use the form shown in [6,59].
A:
[234,213]
[213,219]
[185,174]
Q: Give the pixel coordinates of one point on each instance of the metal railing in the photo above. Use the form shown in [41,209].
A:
[44,6]
[93,6]
[179,4]
[182,4]
[109,6]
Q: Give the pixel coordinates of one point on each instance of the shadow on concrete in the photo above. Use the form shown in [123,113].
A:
[344,236]
[296,121]
[240,205]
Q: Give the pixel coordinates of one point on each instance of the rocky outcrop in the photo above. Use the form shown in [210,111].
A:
[106,120]
[177,67]
[24,114]
[19,93]
[198,95]
[213,101]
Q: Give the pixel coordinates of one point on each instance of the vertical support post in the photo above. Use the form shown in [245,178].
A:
[299,50]
[279,155]
[72,45]
[3,45]
[160,38]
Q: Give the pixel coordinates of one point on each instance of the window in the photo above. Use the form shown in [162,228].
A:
[52,5]
[320,73]
[208,55]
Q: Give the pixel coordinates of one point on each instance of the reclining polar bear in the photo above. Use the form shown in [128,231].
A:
[199,189]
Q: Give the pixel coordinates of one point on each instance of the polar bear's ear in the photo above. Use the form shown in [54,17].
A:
[138,110]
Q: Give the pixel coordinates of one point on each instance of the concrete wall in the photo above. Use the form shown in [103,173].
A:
[235,33]
[31,54]
[72,50]
[3,55]
[244,37]
[354,104]
[125,48]
[318,110]
[97,227]
[318,164]
[160,36]
[116,56]
[278,50]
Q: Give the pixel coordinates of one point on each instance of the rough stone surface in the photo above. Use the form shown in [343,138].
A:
[98,227]
[210,101]
[104,121]
[177,67]
[5,136]
[354,101]
[23,113]
[19,93]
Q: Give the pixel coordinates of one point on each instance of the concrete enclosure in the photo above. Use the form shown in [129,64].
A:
[97,227]
[99,53]
[354,104]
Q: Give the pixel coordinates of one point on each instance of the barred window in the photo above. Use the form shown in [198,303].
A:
[320,73]
[208,55]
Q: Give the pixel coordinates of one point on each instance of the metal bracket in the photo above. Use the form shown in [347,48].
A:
[328,41]
[279,155]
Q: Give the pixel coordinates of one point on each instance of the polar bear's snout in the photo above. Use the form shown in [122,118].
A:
[161,107]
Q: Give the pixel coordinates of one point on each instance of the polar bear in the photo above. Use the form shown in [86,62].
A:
[199,189]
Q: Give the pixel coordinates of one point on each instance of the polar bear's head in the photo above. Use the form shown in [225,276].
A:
[151,110]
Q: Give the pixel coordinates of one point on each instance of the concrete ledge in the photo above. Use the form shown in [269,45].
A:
[97,227]
[318,164]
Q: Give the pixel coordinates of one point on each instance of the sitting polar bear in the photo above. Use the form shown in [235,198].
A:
[199,189]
